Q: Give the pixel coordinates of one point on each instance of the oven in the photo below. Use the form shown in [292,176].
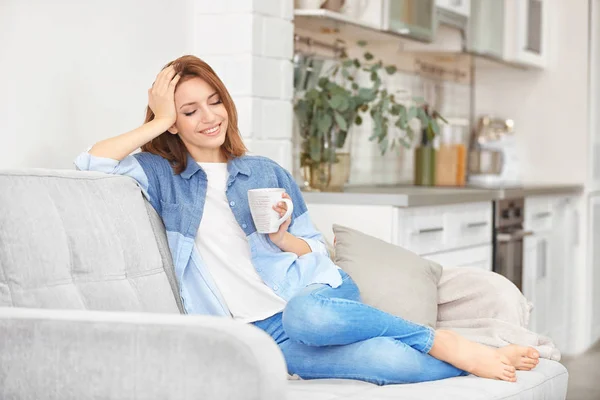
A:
[509,215]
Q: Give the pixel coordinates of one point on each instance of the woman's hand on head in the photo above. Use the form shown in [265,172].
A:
[161,97]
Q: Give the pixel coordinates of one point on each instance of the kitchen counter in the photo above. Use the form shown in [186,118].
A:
[416,196]
[539,190]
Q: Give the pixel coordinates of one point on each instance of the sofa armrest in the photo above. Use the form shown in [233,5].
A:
[74,354]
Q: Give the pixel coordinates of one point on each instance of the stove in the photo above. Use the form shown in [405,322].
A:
[509,215]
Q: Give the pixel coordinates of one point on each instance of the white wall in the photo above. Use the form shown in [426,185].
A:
[550,107]
[250,46]
[78,72]
[75,72]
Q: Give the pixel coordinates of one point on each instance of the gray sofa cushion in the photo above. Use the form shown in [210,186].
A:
[547,381]
[84,240]
[389,277]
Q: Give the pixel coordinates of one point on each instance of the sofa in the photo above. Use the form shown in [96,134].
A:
[89,309]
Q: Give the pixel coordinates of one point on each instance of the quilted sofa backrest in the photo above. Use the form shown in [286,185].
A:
[82,240]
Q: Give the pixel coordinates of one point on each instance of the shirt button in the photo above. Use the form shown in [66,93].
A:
[232,203]
[244,226]
[275,287]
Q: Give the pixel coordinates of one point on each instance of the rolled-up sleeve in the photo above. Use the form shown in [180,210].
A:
[302,226]
[304,229]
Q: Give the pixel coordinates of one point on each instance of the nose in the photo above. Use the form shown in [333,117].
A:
[207,116]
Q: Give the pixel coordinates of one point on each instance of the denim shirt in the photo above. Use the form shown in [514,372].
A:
[179,200]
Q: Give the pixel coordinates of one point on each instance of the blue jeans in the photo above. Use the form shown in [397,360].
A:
[327,332]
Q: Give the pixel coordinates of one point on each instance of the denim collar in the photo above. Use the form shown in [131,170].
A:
[235,166]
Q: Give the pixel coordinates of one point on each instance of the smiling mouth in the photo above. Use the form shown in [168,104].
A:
[212,131]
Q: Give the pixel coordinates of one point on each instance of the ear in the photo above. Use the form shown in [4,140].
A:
[173,129]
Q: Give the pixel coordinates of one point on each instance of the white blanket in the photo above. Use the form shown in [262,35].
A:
[489,309]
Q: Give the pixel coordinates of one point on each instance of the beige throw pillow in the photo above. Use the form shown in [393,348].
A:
[389,277]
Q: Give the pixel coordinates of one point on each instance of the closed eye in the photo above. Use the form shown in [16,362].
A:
[188,114]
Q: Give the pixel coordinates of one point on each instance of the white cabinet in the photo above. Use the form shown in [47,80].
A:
[452,235]
[427,230]
[368,12]
[422,230]
[372,220]
[515,31]
[486,28]
[564,240]
[469,224]
[458,7]
[595,264]
[476,257]
[411,18]
[549,255]
[594,169]
[525,35]
[595,95]
[453,13]
[536,286]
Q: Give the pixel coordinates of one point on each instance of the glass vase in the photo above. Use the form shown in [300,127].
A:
[325,162]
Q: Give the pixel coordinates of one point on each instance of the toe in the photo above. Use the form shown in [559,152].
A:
[509,375]
[532,353]
[506,377]
[530,361]
[509,370]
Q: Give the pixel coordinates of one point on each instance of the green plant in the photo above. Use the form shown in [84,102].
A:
[327,112]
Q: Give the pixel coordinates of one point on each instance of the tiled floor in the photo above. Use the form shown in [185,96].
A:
[584,375]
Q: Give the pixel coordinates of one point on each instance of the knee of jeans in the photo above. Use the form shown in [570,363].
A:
[304,318]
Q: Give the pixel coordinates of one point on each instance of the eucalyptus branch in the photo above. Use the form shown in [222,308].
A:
[336,104]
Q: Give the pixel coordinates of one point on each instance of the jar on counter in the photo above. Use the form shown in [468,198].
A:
[451,157]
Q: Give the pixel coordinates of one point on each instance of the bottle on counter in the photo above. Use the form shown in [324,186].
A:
[425,164]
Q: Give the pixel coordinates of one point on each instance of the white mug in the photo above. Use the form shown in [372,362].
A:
[261,203]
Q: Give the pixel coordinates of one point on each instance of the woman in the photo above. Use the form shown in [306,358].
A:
[194,171]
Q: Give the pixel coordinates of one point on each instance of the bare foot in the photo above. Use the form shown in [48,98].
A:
[474,358]
[521,357]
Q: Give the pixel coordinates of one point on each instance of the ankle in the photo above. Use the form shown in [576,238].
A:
[448,346]
[444,344]
[445,339]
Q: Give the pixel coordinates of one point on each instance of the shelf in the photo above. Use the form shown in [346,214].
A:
[326,24]
[333,17]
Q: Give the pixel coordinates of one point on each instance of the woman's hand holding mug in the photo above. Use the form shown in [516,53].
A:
[271,210]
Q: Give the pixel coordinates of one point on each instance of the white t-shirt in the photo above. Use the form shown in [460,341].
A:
[226,253]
